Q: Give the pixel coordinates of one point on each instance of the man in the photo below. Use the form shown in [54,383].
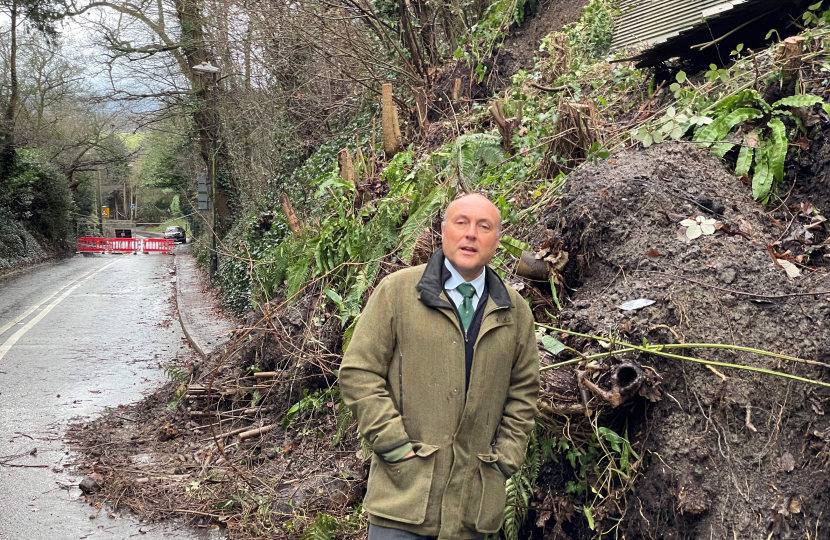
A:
[442,374]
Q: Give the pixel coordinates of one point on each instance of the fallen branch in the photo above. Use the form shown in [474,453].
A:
[260,431]
[658,350]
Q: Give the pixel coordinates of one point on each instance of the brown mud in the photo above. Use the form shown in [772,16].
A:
[724,454]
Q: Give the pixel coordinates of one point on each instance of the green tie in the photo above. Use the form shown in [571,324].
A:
[466,310]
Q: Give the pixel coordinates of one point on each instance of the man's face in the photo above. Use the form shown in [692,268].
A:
[470,234]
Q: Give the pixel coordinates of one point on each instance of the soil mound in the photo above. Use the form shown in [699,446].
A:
[726,453]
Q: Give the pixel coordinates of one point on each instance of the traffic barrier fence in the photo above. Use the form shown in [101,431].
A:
[91,244]
[123,245]
[158,245]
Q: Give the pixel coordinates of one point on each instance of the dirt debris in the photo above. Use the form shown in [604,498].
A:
[705,472]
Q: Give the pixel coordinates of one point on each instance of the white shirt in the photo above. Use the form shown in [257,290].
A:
[456,280]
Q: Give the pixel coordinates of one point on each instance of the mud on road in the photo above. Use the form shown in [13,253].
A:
[79,338]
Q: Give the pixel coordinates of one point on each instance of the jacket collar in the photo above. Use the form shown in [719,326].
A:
[432,285]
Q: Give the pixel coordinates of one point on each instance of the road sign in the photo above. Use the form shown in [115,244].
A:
[201,182]
[132,207]
[105,211]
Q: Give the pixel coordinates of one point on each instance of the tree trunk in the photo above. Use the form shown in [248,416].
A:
[7,138]
[290,216]
[391,130]
[346,167]
[789,58]
[196,51]
[421,106]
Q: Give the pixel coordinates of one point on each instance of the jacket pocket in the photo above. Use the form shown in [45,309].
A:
[400,491]
[485,507]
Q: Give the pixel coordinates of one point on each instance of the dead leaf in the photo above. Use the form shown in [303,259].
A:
[653,253]
[803,143]
[752,140]
[792,270]
[816,223]
[746,180]
[745,227]
[786,462]
[795,506]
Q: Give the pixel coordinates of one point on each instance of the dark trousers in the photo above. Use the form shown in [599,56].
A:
[377,532]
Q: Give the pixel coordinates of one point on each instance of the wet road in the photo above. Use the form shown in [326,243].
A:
[76,337]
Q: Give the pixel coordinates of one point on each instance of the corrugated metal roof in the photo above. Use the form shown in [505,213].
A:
[645,23]
[659,29]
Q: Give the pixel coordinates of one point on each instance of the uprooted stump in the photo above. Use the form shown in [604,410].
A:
[723,447]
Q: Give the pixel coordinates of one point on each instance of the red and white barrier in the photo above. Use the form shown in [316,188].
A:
[90,244]
[123,245]
[158,245]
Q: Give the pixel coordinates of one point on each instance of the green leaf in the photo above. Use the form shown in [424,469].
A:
[323,528]
[720,128]
[740,99]
[806,100]
[552,345]
[681,77]
[762,179]
[721,149]
[744,160]
[336,298]
[778,151]
[513,246]
[816,5]
[589,515]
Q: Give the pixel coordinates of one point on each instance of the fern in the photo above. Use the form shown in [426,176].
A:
[345,417]
[475,152]
[720,128]
[418,220]
[296,277]
[807,100]
[323,528]
[513,246]
[762,179]
[778,150]
[519,488]
[743,98]
[744,160]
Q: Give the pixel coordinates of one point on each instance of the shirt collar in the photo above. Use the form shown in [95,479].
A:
[456,279]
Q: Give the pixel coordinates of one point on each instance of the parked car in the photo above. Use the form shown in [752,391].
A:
[175,233]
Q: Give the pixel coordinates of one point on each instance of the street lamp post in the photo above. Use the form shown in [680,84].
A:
[206,69]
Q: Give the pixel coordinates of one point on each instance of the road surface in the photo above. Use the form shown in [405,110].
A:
[77,337]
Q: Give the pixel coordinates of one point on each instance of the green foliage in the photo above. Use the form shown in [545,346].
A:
[714,122]
[590,37]
[513,246]
[312,401]
[487,35]
[345,418]
[323,528]
[38,195]
[519,489]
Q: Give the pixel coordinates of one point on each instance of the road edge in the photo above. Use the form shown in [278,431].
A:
[183,319]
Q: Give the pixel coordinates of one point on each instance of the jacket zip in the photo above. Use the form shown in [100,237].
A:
[400,381]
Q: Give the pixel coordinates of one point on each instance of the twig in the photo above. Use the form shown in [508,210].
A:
[733,291]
